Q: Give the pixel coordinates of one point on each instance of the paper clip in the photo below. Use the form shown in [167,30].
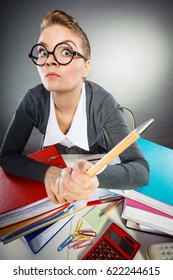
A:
[79,244]
[82,243]
[87,232]
[81,237]
[74,243]
[66,242]
[78,226]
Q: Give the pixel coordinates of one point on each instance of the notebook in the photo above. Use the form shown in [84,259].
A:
[159,192]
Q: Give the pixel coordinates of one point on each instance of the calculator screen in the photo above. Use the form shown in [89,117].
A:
[120,242]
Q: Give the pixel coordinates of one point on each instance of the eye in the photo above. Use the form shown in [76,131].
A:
[42,53]
[66,52]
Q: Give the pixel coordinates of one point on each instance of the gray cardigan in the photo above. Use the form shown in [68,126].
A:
[106,127]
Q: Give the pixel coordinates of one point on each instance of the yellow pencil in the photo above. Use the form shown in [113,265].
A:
[119,148]
[110,208]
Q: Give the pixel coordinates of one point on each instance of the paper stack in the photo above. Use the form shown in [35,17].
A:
[152,205]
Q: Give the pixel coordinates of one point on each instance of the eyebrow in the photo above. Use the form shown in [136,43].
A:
[66,41]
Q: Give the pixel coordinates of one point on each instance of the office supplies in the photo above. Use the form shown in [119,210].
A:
[19,227]
[110,208]
[160,251]
[66,242]
[38,239]
[26,229]
[148,216]
[143,228]
[87,232]
[92,217]
[78,226]
[77,244]
[159,192]
[81,244]
[119,148]
[110,198]
[35,226]
[114,244]
[20,194]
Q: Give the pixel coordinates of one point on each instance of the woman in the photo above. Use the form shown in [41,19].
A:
[76,115]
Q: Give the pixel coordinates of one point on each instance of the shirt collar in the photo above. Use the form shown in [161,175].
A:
[77,134]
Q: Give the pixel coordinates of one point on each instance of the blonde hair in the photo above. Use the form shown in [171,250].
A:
[59,17]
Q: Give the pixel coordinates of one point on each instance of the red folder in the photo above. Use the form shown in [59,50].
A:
[16,192]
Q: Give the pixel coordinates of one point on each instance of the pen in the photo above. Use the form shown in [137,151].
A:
[119,148]
[105,199]
[108,197]
[110,208]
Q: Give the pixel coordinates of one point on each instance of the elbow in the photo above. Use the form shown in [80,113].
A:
[144,175]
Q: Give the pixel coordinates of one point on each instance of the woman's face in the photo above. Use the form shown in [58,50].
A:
[62,78]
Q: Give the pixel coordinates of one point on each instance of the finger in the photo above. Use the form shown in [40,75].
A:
[82,165]
[53,198]
[83,181]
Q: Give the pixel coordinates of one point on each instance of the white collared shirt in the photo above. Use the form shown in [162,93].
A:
[77,134]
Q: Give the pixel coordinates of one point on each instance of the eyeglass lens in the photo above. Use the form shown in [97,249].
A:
[63,54]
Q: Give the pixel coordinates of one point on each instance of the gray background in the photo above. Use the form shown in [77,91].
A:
[132,56]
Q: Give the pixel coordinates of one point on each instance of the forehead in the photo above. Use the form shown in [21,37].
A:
[55,34]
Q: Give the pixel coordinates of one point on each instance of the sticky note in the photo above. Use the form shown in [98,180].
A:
[93,218]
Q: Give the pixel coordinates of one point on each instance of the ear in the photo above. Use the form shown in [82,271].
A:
[86,69]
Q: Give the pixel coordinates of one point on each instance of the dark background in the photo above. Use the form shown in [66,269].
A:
[132,56]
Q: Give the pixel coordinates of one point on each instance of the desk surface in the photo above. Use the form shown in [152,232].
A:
[18,249]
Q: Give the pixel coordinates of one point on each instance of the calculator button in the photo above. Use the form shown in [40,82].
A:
[162,252]
[96,250]
[92,255]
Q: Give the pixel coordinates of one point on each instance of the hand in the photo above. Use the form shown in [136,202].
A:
[51,176]
[74,184]
[70,184]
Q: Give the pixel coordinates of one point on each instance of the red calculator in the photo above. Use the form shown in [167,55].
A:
[114,244]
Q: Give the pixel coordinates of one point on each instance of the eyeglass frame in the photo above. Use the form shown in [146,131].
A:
[74,53]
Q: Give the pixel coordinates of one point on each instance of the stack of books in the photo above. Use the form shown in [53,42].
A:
[24,205]
[150,208]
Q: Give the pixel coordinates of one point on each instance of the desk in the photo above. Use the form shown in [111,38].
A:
[19,250]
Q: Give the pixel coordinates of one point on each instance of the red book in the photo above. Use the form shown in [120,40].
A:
[16,192]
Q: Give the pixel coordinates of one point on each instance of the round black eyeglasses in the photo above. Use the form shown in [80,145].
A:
[63,53]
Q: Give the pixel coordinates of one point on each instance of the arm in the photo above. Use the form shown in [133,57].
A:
[133,171]
[27,115]
[107,127]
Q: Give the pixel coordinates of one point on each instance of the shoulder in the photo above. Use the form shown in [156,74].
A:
[37,93]
[34,97]
[34,106]
[99,97]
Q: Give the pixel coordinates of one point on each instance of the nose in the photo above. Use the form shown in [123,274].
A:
[51,60]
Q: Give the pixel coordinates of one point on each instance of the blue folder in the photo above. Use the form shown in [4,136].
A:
[160,159]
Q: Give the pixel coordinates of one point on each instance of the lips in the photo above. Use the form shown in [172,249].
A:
[52,75]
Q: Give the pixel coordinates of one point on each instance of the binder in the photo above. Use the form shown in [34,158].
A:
[159,192]
[19,195]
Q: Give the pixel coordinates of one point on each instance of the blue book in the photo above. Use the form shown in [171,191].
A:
[159,192]
[39,238]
